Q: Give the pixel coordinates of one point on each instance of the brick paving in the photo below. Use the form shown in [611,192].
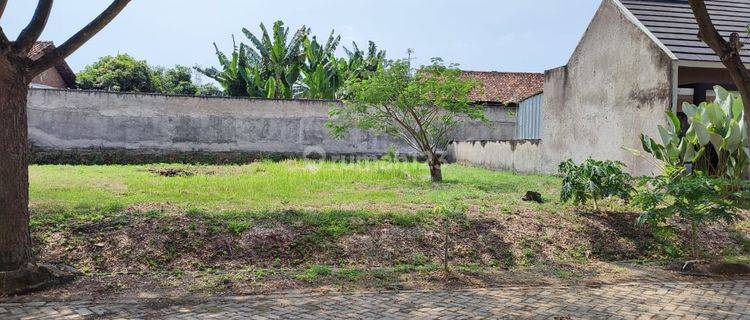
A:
[704,300]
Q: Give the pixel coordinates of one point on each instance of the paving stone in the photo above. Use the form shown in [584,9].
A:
[704,300]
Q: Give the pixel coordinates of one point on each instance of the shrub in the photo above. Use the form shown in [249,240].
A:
[714,143]
[594,180]
[694,197]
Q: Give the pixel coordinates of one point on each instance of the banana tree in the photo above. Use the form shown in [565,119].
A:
[280,59]
[321,78]
[239,75]
[360,64]
[716,141]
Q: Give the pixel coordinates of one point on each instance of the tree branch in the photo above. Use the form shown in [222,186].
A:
[77,40]
[34,29]
[3,3]
[4,42]
[728,51]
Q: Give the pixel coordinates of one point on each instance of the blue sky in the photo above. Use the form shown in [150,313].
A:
[499,35]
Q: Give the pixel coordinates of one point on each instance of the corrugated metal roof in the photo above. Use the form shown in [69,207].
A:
[673,23]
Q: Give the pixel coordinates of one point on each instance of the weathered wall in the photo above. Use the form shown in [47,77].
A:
[515,155]
[617,85]
[152,124]
[50,77]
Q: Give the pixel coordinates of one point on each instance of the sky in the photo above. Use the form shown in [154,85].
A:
[484,35]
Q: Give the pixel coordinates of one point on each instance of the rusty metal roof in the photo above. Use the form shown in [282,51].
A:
[673,23]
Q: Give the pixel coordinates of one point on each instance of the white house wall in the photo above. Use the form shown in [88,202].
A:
[617,85]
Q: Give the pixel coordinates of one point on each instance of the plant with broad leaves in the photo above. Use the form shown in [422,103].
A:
[594,180]
[694,197]
[715,142]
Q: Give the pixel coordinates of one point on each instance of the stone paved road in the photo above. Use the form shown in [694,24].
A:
[706,300]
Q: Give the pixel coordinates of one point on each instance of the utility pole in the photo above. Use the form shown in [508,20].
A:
[409,52]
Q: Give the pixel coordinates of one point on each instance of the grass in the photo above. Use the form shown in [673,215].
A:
[326,220]
[315,191]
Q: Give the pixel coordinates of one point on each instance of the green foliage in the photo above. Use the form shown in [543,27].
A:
[238,73]
[594,180]
[177,80]
[359,65]
[715,142]
[419,109]
[315,272]
[278,66]
[279,59]
[208,89]
[694,197]
[126,74]
[118,73]
[321,78]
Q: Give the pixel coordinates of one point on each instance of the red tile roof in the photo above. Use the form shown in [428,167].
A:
[505,87]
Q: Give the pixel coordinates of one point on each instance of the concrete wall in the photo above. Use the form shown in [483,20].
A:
[515,155]
[617,85]
[82,121]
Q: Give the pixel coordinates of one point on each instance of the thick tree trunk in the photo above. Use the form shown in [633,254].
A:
[15,239]
[436,172]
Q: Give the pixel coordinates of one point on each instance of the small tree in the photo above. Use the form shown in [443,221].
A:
[693,197]
[419,109]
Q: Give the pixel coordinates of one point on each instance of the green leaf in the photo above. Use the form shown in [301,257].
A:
[666,136]
[676,125]
[701,132]
[717,141]
[738,109]
[689,109]
[734,137]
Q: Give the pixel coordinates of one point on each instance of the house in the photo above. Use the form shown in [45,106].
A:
[636,60]
[60,76]
[517,94]
[504,88]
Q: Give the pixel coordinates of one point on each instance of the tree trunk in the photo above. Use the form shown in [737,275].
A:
[436,172]
[15,239]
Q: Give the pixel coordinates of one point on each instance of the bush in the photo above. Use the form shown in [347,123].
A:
[715,141]
[594,180]
[693,197]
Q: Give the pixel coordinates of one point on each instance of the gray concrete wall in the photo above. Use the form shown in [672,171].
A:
[617,85]
[143,123]
[521,156]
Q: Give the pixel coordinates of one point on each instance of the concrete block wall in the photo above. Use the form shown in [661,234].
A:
[147,124]
[521,156]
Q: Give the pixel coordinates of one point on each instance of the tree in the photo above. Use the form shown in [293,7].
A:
[321,78]
[119,73]
[420,109]
[360,64]
[18,269]
[728,51]
[239,75]
[280,58]
[177,80]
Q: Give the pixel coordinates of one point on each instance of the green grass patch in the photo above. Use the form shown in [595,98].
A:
[331,196]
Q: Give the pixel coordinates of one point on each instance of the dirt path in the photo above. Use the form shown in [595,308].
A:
[674,300]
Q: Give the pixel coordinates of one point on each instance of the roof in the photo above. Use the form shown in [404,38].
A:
[40,48]
[673,23]
[505,87]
